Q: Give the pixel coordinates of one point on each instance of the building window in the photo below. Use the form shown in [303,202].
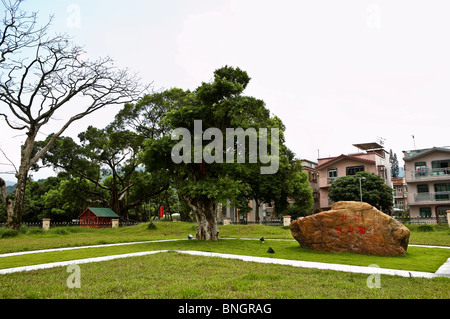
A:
[332,172]
[440,164]
[420,164]
[421,169]
[425,212]
[442,210]
[422,188]
[352,170]
[442,191]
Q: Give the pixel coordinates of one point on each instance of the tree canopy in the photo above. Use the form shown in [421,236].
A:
[374,190]
[232,176]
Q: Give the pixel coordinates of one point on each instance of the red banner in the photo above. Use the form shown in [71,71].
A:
[161,211]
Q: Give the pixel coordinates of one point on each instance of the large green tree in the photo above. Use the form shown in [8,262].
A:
[373,188]
[210,164]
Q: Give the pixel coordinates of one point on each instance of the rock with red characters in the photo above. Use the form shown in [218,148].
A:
[352,227]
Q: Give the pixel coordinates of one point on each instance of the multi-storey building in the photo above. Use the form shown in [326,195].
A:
[400,194]
[372,158]
[313,178]
[427,174]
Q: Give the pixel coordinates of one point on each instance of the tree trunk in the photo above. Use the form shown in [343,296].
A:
[15,216]
[4,197]
[206,218]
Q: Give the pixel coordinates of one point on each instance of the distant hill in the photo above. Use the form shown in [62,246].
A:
[11,188]
[9,183]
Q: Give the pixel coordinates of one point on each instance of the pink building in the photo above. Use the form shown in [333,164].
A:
[427,174]
[372,158]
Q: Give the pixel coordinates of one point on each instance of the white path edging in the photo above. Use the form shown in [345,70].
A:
[85,247]
[295,263]
[443,271]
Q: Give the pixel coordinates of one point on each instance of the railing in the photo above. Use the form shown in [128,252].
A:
[275,222]
[430,172]
[436,196]
[400,194]
[331,180]
[423,220]
[72,224]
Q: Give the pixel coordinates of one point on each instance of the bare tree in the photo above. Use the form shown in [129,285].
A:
[40,75]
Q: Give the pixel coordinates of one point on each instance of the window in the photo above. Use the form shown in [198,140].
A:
[332,172]
[442,191]
[425,212]
[421,169]
[352,170]
[422,188]
[440,164]
[442,187]
[420,164]
[440,168]
[442,210]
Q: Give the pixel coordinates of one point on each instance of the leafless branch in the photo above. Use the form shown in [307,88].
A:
[12,163]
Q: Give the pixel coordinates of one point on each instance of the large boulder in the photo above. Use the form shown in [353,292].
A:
[352,227]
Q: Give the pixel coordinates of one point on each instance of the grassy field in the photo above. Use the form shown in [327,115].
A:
[34,239]
[173,275]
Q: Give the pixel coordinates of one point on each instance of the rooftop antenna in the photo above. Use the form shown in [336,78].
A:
[414,141]
[381,141]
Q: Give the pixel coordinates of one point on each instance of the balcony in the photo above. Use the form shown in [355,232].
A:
[331,180]
[423,198]
[432,174]
[400,194]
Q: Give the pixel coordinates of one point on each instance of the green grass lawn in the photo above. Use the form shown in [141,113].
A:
[35,239]
[178,276]
[416,259]
[172,275]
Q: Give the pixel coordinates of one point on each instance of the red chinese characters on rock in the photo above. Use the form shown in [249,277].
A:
[354,227]
[350,229]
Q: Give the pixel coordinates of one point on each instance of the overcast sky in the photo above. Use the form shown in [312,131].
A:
[336,72]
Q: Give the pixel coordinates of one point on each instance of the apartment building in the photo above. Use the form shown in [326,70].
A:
[427,174]
[371,158]
[400,194]
[313,179]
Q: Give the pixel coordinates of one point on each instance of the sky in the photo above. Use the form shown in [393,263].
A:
[337,73]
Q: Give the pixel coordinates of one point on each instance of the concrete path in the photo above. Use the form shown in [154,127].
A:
[443,271]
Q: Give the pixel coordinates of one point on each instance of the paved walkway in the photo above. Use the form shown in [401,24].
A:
[443,271]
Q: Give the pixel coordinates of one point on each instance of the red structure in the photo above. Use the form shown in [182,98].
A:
[97,217]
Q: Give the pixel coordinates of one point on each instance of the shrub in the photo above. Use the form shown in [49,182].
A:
[8,233]
[151,226]
[425,227]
